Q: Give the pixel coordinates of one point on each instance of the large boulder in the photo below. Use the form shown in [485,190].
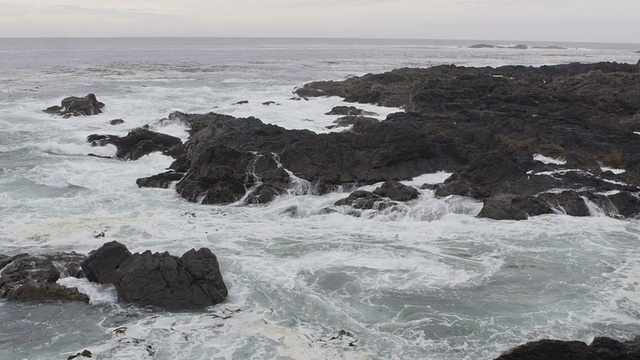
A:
[77,106]
[34,278]
[192,281]
[101,264]
[397,191]
[568,202]
[513,207]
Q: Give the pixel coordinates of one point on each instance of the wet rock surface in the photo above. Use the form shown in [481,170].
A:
[192,281]
[138,143]
[28,278]
[483,124]
[77,106]
[601,348]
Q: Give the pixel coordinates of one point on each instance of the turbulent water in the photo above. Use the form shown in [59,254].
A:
[429,282]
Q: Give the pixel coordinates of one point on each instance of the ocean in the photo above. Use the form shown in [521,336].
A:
[431,281]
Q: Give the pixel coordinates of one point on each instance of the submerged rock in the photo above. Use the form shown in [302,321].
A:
[77,106]
[192,281]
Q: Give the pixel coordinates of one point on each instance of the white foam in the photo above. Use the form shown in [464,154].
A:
[549,160]
[97,293]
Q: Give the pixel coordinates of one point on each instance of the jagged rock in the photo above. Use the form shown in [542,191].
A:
[264,194]
[138,143]
[396,191]
[601,348]
[626,203]
[77,106]
[192,281]
[568,202]
[33,278]
[162,181]
[350,111]
[365,200]
[513,207]
[359,122]
[102,263]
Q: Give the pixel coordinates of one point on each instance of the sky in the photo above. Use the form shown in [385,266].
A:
[541,20]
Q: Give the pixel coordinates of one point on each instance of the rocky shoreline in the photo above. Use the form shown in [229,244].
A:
[525,141]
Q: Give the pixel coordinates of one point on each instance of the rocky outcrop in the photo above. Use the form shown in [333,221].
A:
[349,111]
[365,200]
[77,106]
[101,264]
[34,278]
[513,207]
[601,348]
[138,143]
[192,281]
[360,124]
[230,156]
[394,190]
[161,181]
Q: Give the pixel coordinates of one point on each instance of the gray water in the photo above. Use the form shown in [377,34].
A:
[431,281]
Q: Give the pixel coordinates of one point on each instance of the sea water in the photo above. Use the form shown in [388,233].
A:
[428,281]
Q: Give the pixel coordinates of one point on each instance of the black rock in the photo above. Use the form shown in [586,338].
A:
[513,207]
[77,106]
[34,278]
[193,281]
[601,348]
[569,202]
[116,122]
[626,203]
[263,194]
[138,143]
[365,200]
[396,191]
[162,181]
[349,111]
[102,263]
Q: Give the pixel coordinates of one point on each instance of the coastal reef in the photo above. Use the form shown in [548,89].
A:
[525,141]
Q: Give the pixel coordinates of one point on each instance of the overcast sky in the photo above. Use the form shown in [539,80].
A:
[553,20]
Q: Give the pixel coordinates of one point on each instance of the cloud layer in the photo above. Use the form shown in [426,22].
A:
[560,20]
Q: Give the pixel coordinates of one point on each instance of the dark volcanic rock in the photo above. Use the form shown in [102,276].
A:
[193,281]
[360,123]
[601,348]
[116,122]
[626,204]
[349,111]
[365,200]
[569,202]
[396,191]
[162,181]
[221,157]
[102,263]
[513,207]
[33,278]
[138,143]
[263,194]
[77,106]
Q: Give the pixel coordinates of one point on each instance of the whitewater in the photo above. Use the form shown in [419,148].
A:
[430,281]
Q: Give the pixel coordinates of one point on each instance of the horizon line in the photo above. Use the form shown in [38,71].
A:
[314,37]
